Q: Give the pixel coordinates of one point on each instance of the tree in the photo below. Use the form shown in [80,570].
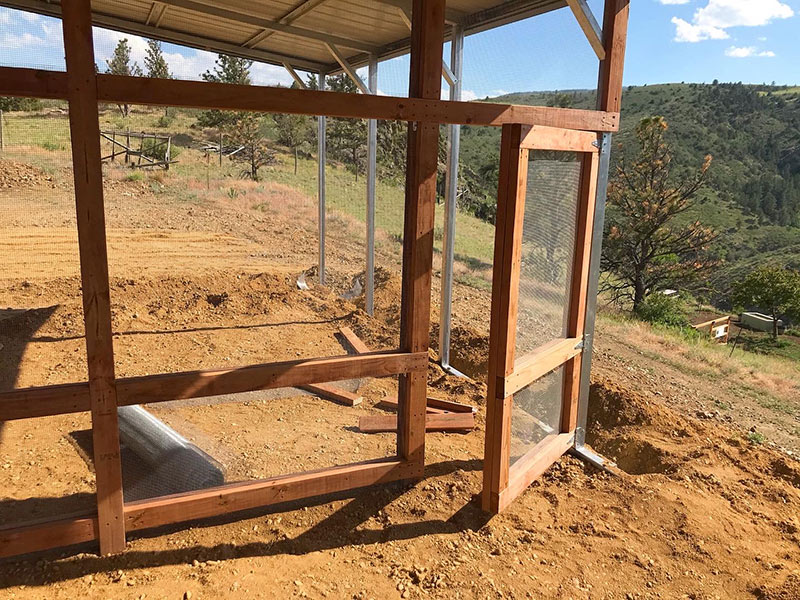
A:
[294,131]
[154,61]
[646,246]
[120,64]
[347,138]
[227,69]
[248,134]
[772,289]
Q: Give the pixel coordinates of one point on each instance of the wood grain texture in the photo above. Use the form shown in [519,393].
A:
[47,533]
[201,384]
[253,494]
[33,83]
[44,401]
[85,136]
[615,34]
[433,422]
[355,342]
[427,42]
[539,363]
[330,392]
[538,137]
[505,293]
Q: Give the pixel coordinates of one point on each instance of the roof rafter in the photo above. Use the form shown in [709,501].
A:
[250,18]
[290,17]
[351,72]
[589,25]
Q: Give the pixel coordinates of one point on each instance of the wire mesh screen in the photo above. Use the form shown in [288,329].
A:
[536,413]
[548,248]
[41,311]
[30,40]
[188,445]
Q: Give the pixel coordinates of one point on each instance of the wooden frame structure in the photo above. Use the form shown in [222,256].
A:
[523,127]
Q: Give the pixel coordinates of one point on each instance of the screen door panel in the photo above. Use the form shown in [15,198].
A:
[542,246]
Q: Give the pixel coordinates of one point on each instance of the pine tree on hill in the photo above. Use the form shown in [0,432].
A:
[228,69]
[120,64]
[154,61]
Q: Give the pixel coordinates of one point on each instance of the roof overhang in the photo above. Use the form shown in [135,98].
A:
[293,32]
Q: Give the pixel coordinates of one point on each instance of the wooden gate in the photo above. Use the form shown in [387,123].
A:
[546,200]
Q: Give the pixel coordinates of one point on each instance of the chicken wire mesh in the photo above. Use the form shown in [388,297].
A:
[548,248]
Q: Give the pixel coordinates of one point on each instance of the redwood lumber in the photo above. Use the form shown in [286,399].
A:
[433,405]
[425,83]
[539,363]
[47,533]
[35,83]
[433,422]
[531,466]
[330,392]
[44,401]
[537,137]
[201,384]
[355,343]
[254,494]
[615,34]
[387,404]
[85,136]
[505,294]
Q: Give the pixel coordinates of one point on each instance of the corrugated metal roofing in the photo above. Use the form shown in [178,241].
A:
[290,31]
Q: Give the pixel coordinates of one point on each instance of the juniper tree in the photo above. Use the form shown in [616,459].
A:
[772,289]
[120,64]
[227,69]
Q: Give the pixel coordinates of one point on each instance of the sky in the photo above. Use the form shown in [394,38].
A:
[754,41]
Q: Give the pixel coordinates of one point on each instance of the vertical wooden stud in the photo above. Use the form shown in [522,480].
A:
[576,320]
[427,42]
[505,296]
[85,134]
[615,33]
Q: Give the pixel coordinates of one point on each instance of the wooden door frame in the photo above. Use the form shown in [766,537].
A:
[502,482]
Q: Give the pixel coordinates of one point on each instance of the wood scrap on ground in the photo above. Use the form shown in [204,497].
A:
[353,341]
[330,392]
[434,406]
[452,422]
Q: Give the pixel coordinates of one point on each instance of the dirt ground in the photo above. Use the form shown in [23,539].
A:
[694,510]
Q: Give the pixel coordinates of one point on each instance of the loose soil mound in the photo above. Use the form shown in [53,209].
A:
[14,174]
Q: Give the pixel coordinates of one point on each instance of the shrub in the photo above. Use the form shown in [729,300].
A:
[663,310]
[135,176]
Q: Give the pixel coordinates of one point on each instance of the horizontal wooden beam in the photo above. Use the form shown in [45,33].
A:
[201,384]
[236,497]
[538,137]
[44,534]
[531,466]
[221,96]
[74,397]
[537,364]
[433,422]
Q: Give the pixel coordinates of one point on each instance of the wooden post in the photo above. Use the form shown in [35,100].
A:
[2,133]
[427,41]
[615,32]
[85,134]
[513,178]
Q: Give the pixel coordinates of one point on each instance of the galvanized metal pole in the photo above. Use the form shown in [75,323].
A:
[372,161]
[591,303]
[321,152]
[451,192]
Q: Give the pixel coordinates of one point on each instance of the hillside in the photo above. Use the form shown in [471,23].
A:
[753,133]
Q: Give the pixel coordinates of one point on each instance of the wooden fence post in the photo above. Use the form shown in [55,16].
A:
[427,41]
[85,134]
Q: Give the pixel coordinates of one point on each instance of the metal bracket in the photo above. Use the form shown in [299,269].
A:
[597,461]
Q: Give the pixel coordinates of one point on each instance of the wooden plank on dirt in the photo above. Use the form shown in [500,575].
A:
[455,422]
[43,534]
[235,497]
[388,404]
[433,405]
[355,343]
[85,135]
[330,392]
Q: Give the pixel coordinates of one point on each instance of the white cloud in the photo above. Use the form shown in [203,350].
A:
[748,52]
[468,95]
[5,16]
[712,21]
[29,16]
